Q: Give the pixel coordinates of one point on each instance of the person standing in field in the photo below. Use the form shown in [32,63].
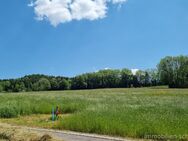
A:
[57,112]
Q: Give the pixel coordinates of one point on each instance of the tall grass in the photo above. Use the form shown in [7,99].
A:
[121,112]
[13,105]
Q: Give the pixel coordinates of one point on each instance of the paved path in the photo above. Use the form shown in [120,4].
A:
[75,136]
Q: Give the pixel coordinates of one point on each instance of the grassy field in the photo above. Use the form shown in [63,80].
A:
[137,113]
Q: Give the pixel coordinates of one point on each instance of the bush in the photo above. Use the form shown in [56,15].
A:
[8,112]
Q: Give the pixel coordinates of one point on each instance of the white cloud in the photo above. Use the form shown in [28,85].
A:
[61,11]
[134,71]
[107,68]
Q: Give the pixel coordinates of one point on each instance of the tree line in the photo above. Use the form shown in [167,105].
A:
[171,71]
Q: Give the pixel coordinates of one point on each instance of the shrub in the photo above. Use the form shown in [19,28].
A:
[8,112]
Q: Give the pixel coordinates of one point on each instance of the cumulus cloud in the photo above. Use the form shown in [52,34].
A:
[61,11]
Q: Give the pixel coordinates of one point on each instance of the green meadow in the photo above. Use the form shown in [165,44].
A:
[136,112]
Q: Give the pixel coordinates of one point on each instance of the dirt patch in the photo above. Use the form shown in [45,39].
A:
[39,120]
[11,133]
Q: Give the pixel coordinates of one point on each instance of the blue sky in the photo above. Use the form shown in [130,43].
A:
[137,35]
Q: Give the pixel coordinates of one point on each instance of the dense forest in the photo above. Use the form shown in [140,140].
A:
[171,71]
